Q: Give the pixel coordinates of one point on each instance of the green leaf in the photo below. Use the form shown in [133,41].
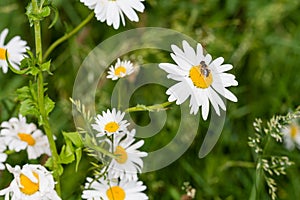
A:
[46,67]
[49,164]
[74,137]
[45,12]
[49,105]
[27,97]
[67,154]
[78,153]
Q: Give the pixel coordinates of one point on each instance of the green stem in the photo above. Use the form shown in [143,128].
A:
[68,35]
[156,107]
[41,100]
[243,164]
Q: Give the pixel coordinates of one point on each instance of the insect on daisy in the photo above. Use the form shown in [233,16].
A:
[110,123]
[291,136]
[30,182]
[3,156]
[19,135]
[112,189]
[112,11]
[15,50]
[121,69]
[129,159]
[199,77]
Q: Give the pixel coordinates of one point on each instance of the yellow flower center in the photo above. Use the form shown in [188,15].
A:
[29,187]
[111,127]
[115,193]
[121,155]
[27,138]
[120,70]
[2,54]
[201,75]
[293,131]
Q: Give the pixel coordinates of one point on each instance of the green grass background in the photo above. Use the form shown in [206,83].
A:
[261,38]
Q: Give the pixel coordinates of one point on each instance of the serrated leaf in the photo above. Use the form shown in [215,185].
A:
[28,107]
[45,67]
[49,105]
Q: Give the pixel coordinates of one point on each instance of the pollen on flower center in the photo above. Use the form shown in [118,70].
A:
[293,131]
[201,76]
[27,186]
[120,70]
[111,127]
[121,155]
[115,193]
[27,138]
[2,54]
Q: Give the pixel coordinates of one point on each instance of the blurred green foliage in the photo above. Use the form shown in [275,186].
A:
[259,37]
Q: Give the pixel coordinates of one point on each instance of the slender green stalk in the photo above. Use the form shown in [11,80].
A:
[68,35]
[233,163]
[41,100]
[156,107]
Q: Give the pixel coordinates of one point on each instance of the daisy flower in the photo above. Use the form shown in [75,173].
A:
[20,135]
[121,69]
[128,162]
[199,77]
[112,11]
[112,189]
[15,48]
[30,182]
[110,123]
[291,136]
[3,156]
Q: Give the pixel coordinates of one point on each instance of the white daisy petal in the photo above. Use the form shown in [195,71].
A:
[105,189]
[120,70]
[113,11]
[291,135]
[15,49]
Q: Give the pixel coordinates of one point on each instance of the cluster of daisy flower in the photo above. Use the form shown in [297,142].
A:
[120,180]
[31,181]
[113,11]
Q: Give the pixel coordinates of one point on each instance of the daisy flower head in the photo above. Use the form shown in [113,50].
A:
[112,189]
[199,77]
[30,182]
[19,135]
[3,156]
[291,136]
[110,123]
[128,161]
[15,50]
[113,11]
[120,70]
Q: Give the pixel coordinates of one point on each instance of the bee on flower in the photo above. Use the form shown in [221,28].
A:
[19,135]
[199,77]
